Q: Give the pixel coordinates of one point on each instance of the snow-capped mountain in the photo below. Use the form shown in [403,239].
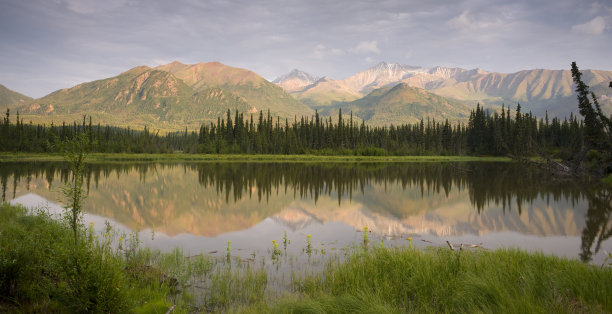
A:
[381,75]
[295,80]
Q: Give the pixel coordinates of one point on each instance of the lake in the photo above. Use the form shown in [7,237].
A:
[199,207]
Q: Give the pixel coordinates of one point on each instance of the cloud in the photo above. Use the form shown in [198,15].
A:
[369,60]
[595,26]
[483,21]
[463,21]
[366,47]
[321,52]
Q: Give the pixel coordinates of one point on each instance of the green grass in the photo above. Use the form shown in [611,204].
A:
[439,280]
[101,158]
[42,271]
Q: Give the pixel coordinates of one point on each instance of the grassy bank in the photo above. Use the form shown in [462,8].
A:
[440,280]
[180,157]
[41,270]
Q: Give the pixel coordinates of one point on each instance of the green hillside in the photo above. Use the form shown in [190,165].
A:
[139,97]
[10,97]
[326,92]
[403,104]
[170,98]
[318,100]
[252,88]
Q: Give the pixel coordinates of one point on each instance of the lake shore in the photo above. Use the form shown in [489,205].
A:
[36,274]
[181,157]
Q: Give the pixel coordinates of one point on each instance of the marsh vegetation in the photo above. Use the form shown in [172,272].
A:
[37,274]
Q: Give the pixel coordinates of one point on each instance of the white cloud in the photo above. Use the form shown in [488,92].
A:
[595,26]
[366,47]
[321,52]
[369,60]
[463,21]
[467,21]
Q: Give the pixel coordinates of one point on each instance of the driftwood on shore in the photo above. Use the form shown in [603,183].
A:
[559,169]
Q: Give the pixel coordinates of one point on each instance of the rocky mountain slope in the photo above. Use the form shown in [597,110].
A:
[138,97]
[169,97]
[259,93]
[538,90]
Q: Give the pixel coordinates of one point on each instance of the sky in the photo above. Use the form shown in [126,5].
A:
[46,45]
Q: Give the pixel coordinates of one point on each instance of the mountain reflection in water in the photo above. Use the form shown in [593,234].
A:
[498,204]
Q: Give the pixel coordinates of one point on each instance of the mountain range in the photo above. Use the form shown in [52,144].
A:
[170,97]
[176,96]
[539,91]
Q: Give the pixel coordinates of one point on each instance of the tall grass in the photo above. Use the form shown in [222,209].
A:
[42,270]
[440,280]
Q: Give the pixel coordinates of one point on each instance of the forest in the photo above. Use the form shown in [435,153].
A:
[486,133]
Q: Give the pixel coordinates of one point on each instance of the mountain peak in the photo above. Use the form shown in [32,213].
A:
[140,68]
[296,74]
[295,81]
[383,66]
[386,66]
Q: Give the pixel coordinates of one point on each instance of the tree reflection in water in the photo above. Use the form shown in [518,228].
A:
[597,222]
[506,184]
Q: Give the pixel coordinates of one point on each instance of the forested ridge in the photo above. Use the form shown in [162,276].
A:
[487,133]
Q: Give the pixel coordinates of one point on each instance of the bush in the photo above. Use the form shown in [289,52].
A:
[371,151]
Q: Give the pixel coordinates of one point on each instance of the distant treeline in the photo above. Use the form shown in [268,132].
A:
[486,133]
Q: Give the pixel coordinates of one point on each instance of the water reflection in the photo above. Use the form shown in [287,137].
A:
[597,226]
[462,201]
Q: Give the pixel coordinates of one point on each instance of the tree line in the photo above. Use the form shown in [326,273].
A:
[486,133]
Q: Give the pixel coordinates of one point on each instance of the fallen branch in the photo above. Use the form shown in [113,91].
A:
[171,309]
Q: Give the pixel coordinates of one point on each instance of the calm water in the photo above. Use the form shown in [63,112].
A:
[200,206]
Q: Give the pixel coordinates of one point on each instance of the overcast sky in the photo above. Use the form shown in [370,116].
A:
[46,45]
